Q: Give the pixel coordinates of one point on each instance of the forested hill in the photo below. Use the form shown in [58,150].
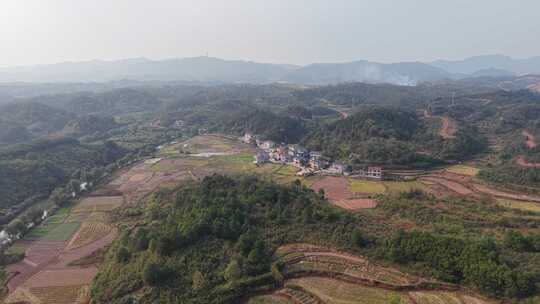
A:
[391,136]
[39,167]
[22,121]
[212,242]
[266,124]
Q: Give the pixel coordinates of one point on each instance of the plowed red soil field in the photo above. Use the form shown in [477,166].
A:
[335,188]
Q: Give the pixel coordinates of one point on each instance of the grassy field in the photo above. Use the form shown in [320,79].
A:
[520,205]
[368,187]
[16,248]
[397,187]
[54,232]
[463,170]
[334,291]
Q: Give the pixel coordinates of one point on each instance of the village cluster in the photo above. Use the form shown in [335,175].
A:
[309,162]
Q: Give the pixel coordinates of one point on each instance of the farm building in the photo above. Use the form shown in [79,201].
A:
[266,144]
[337,168]
[371,172]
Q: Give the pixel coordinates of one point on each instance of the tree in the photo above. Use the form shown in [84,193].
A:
[516,241]
[58,196]
[123,255]
[357,238]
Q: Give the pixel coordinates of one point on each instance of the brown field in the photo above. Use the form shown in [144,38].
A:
[98,204]
[448,129]
[64,277]
[314,274]
[88,233]
[452,185]
[335,188]
[502,194]
[336,291]
[356,268]
[39,255]
[270,299]
[356,204]
[436,297]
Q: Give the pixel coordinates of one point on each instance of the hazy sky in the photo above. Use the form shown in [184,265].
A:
[285,31]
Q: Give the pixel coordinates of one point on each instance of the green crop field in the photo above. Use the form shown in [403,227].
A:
[520,205]
[60,232]
[396,187]
[463,170]
[369,187]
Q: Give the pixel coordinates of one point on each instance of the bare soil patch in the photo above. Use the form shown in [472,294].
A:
[449,128]
[64,277]
[335,188]
[497,193]
[98,204]
[357,204]
[450,184]
[39,255]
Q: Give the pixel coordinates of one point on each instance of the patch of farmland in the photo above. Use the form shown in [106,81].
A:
[98,204]
[357,269]
[520,205]
[270,299]
[357,204]
[299,295]
[61,232]
[442,297]
[452,185]
[210,144]
[335,291]
[398,187]
[503,194]
[62,277]
[463,170]
[62,294]
[367,187]
[68,256]
[73,294]
[89,233]
[335,188]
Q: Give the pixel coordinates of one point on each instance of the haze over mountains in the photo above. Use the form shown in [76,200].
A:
[215,70]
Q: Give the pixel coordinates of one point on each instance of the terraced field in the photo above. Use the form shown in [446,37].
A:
[314,274]
[270,299]
[89,232]
[335,291]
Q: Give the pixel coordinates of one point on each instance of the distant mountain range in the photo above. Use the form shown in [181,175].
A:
[215,70]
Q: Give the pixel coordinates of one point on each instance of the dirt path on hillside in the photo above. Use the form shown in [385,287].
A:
[521,161]
[448,129]
[497,193]
[529,139]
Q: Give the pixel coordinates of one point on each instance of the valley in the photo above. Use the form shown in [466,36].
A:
[71,246]
[441,183]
